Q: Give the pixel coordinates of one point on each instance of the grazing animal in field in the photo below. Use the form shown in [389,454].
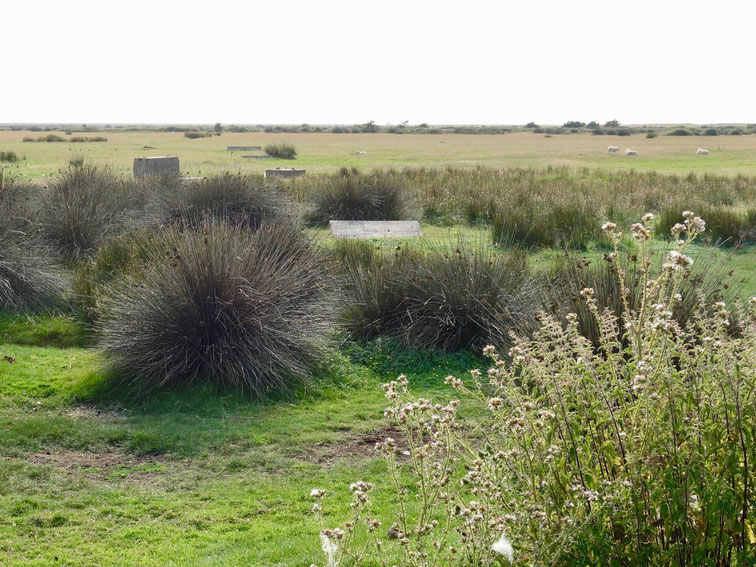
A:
[613,149]
[629,152]
[360,152]
[702,152]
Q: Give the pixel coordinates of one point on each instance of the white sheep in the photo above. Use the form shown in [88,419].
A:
[702,152]
[613,149]
[629,152]
[360,152]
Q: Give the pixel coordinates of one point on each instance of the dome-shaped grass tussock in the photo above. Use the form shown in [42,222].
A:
[29,276]
[241,200]
[84,208]
[222,305]
[378,196]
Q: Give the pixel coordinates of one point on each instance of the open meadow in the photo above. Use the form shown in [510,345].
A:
[322,152]
[195,373]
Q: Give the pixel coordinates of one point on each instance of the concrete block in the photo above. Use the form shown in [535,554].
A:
[285,172]
[374,229]
[159,165]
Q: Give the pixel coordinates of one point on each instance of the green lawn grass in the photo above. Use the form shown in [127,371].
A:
[92,476]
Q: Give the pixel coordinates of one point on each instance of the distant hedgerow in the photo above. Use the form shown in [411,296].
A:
[195,135]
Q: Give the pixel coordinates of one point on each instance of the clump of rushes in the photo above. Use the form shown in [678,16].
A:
[446,299]
[237,199]
[378,196]
[29,277]
[222,305]
[281,151]
[83,208]
[705,283]
[638,452]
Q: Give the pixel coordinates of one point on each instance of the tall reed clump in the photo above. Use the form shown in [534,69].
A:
[378,196]
[723,223]
[219,305]
[237,199]
[570,225]
[83,208]
[446,299]
[29,276]
[705,283]
[639,452]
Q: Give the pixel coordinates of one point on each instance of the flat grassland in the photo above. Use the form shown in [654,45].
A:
[193,477]
[730,155]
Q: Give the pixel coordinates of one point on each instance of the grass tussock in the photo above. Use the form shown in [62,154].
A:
[221,305]
[723,223]
[29,277]
[709,280]
[353,196]
[240,200]
[84,208]
[281,151]
[442,299]
[9,157]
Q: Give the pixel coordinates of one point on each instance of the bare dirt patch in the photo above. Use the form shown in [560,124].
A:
[95,465]
[355,446]
[84,412]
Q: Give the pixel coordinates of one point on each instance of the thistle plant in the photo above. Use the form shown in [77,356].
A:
[638,450]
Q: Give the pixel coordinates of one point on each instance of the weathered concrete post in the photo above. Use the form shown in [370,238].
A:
[159,165]
[285,172]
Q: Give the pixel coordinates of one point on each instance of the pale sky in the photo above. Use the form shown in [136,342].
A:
[344,62]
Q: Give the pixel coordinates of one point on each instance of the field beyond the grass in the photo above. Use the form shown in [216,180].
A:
[325,152]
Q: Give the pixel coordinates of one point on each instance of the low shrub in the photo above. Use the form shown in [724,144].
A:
[651,135]
[680,132]
[281,151]
[222,305]
[378,196]
[83,208]
[9,157]
[639,452]
[711,132]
